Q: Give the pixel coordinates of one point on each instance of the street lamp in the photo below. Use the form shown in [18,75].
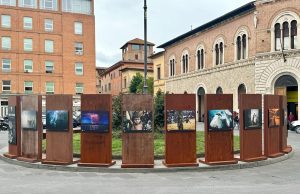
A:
[145,48]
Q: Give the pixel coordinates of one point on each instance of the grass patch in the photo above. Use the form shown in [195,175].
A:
[159,143]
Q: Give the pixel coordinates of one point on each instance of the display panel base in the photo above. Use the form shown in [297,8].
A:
[10,156]
[180,164]
[276,155]
[30,160]
[288,149]
[219,162]
[254,159]
[58,162]
[137,166]
[96,165]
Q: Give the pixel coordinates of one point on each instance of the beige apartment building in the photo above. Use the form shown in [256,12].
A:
[158,71]
[47,47]
[252,49]
[117,78]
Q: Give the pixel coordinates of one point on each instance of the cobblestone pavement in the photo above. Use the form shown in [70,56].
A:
[278,178]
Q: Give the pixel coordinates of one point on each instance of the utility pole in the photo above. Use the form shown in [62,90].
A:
[145,90]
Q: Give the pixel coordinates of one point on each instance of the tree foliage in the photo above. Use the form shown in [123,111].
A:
[159,107]
[117,114]
[135,82]
[150,82]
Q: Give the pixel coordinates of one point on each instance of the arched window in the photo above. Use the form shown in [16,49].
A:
[221,52]
[172,67]
[286,35]
[239,47]
[285,31]
[218,51]
[293,34]
[277,37]
[217,54]
[185,62]
[242,89]
[241,44]
[219,90]
[200,58]
[244,46]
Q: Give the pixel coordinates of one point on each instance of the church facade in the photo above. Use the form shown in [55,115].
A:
[252,49]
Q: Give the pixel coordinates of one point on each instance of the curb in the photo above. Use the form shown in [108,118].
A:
[157,169]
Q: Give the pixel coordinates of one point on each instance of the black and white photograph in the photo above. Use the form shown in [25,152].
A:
[28,120]
[181,120]
[12,131]
[137,121]
[253,118]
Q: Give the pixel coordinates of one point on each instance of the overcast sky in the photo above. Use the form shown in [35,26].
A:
[118,21]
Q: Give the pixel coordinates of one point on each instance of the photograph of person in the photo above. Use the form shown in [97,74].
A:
[219,120]
[253,118]
[137,121]
[274,117]
[181,120]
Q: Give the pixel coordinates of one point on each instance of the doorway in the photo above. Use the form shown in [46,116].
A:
[287,85]
[200,94]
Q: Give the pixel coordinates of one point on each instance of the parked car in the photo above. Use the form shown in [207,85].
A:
[295,126]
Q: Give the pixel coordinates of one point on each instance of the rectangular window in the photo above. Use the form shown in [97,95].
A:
[158,73]
[77,6]
[78,68]
[79,88]
[6,65]
[135,47]
[48,25]
[8,2]
[109,87]
[78,48]
[28,3]
[49,87]
[27,23]
[125,83]
[6,43]
[49,46]
[6,85]
[28,87]
[28,66]
[27,44]
[48,4]
[78,28]
[5,21]
[49,66]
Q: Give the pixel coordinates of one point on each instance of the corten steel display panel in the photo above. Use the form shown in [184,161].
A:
[218,144]
[251,147]
[31,140]
[14,150]
[272,136]
[180,147]
[95,147]
[59,144]
[285,148]
[137,148]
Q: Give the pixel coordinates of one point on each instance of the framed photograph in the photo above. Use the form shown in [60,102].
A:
[12,131]
[220,120]
[253,118]
[57,120]
[184,120]
[137,121]
[95,121]
[274,117]
[28,120]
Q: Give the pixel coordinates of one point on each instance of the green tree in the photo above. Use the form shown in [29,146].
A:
[135,82]
[140,87]
[159,107]
[117,114]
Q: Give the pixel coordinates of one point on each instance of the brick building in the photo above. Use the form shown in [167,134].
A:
[117,78]
[47,47]
[252,49]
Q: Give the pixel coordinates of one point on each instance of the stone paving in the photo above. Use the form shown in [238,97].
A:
[278,178]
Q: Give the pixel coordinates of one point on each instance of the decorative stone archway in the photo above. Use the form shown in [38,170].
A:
[200,92]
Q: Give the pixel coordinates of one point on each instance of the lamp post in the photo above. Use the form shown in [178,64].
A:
[145,48]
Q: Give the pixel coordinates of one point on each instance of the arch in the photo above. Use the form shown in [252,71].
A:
[185,61]
[219,51]
[243,34]
[200,91]
[242,89]
[219,90]
[200,54]
[172,65]
[286,80]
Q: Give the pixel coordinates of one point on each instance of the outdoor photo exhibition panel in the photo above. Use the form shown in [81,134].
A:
[59,137]
[137,138]
[31,128]
[250,119]
[285,148]
[219,129]
[272,125]
[96,130]
[14,129]
[180,127]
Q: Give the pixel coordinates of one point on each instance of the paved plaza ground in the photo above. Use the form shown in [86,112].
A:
[278,178]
